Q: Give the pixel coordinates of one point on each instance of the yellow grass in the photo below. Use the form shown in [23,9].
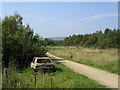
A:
[101,57]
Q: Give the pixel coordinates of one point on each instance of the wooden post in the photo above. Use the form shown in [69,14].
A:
[35,78]
[71,55]
[51,80]
[6,75]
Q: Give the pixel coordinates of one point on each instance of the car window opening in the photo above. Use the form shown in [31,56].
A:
[43,61]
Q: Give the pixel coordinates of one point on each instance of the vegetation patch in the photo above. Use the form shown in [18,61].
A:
[62,78]
[106,59]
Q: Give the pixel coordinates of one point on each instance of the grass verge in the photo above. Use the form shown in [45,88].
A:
[62,78]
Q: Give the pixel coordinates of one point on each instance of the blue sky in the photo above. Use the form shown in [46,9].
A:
[59,19]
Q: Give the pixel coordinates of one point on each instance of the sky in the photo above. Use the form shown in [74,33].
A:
[61,19]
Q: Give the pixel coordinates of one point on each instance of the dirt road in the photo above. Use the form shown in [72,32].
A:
[105,78]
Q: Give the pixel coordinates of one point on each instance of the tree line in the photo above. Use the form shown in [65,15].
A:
[107,39]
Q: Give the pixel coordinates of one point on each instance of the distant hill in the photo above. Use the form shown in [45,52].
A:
[57,38]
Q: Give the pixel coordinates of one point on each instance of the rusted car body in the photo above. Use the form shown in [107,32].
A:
[42,63]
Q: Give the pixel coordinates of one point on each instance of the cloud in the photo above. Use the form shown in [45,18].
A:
[44,20]
[100,16]
[54,18]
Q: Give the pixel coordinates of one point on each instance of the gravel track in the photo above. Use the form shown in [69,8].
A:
[108,79]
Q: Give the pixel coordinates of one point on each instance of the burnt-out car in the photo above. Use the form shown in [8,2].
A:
[42,63]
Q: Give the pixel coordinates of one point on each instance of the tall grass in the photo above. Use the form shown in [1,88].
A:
[62,78]
[106,59]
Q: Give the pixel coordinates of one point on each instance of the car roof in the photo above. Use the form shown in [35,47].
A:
[42,57]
